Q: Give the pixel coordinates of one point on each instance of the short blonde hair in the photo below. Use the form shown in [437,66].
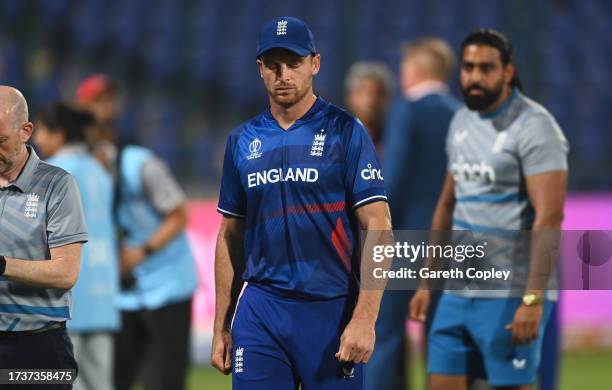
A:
[440,57]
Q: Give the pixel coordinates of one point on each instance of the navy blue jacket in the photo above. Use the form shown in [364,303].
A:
[414,157]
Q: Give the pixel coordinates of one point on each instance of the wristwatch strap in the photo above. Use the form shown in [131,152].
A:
[2,265]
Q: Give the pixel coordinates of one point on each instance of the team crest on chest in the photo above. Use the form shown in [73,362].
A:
[31,206]
[318,143]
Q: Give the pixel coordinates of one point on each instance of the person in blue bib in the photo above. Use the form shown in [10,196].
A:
[299,181]
[158,274]
[60,136]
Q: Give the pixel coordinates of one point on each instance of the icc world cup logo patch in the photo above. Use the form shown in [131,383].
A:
[254,148]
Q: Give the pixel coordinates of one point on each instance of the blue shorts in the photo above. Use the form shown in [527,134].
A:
[282,342]
[468,337]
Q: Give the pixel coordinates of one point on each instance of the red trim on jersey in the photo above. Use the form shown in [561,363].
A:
[341,243]
[309,209]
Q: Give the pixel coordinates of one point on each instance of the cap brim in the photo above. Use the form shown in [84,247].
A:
[300,51]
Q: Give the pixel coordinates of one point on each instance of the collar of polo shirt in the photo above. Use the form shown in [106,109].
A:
[24,180]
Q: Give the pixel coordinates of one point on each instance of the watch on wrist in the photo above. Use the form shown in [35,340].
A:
[148,249]
[531,299]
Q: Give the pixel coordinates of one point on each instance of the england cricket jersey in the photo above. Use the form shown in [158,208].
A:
[298,190]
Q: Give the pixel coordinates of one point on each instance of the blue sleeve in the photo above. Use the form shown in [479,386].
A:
[232,199]
[397,146]
[363,179]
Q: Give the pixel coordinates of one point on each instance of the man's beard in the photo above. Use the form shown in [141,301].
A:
[5,164]
[484,101]
[289,101]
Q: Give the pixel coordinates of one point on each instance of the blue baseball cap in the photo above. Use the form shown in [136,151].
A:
[286,32]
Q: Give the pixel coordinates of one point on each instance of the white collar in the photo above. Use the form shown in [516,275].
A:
[425,88]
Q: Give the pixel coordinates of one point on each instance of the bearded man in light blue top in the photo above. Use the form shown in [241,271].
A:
[507,171]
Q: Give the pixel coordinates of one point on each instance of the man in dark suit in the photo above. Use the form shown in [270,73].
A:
[414,167]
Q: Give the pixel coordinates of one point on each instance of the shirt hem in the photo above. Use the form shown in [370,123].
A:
[81,237]
[370,199]
[226,212]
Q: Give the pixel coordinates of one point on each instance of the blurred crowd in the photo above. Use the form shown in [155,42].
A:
[184,65]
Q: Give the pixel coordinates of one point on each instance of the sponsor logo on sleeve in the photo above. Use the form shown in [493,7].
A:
[370,173]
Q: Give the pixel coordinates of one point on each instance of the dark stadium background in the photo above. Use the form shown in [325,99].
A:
[188,76]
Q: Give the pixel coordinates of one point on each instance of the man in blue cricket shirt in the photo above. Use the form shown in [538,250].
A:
[299,180]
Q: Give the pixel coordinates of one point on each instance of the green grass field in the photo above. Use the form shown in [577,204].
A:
[588,370]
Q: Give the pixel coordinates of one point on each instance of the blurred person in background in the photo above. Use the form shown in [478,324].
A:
[414,163]
[98,94]
[60,136]
[507,172]
[158,275]
[368,89]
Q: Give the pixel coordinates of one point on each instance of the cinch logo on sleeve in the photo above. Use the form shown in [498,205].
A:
[464,171]
[271,176]
[371,173]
